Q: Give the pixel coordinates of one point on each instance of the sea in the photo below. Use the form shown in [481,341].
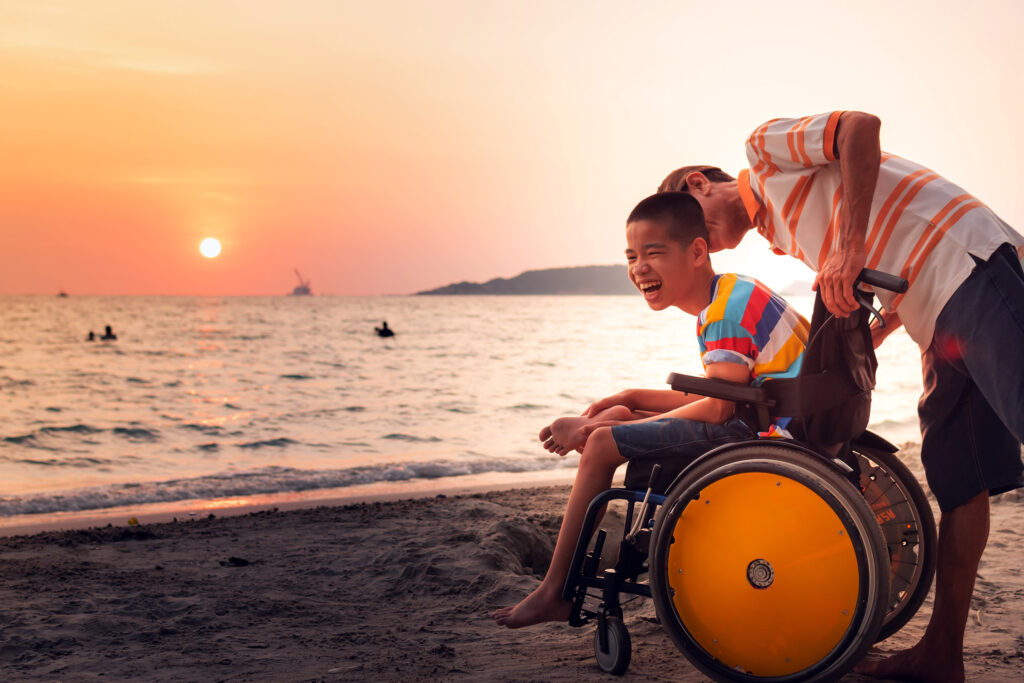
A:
[204,402]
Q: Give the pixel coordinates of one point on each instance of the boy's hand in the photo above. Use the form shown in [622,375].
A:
[620,399]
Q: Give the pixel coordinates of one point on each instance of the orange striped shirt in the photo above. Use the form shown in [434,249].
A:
[921,226]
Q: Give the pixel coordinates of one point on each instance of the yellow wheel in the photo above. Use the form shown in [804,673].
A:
[767,563]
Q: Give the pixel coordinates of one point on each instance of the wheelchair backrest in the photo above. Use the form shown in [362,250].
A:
[830,401]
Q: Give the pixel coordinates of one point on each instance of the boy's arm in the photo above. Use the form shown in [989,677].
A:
[647,400]
[706,409]
[697,408]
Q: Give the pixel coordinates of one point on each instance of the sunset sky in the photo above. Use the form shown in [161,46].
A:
[387,147]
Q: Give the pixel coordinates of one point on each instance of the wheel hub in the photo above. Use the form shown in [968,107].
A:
[760,574]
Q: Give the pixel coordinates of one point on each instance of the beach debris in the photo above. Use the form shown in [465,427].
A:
[443,650]
[348,668]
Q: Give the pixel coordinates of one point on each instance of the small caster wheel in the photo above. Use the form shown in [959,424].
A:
[616,659]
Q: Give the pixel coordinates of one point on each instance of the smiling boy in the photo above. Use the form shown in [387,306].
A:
[746,333]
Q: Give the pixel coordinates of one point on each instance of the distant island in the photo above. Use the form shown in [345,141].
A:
[600,280]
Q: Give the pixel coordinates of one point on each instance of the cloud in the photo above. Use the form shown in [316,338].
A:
[69,38]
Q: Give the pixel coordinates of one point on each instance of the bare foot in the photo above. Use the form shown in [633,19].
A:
[535,608]
[917,664]
[566,433]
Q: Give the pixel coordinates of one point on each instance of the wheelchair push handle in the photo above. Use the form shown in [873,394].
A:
[877,278]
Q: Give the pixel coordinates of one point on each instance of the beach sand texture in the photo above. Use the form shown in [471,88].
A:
[373,591]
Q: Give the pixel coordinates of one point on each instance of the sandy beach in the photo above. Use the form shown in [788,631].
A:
[369,591]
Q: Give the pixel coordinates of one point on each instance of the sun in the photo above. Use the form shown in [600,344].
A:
[210,247]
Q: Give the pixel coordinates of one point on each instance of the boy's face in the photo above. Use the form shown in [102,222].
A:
[660,267]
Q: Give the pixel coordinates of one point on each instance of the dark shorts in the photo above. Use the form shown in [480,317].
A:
[972,410]
[671,443]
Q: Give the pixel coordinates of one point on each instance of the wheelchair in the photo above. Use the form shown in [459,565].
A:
[770,559]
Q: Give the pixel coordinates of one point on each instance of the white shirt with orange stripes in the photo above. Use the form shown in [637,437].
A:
[921,226]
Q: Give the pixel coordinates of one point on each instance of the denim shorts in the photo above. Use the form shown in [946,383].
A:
[972,409]
[676,438]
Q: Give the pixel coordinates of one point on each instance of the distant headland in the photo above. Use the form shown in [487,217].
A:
[599,280]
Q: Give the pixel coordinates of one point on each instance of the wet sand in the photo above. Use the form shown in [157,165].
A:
[370,591]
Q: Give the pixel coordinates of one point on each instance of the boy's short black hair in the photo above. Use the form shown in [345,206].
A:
[680,211]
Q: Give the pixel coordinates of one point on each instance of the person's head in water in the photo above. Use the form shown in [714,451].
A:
[667,252]
[384,325]
[108,334]
[92,336]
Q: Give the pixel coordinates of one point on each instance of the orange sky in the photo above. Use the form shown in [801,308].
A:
[395,146]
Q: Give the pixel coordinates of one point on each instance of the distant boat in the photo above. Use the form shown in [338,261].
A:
[62,294]
[302,289]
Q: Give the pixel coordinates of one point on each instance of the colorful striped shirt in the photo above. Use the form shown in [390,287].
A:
[921,226]
[749,324]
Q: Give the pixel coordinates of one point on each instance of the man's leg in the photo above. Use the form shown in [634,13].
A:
[597,466]
[971,421]
[938,656]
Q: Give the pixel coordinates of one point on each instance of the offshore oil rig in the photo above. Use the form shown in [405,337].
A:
[301,289]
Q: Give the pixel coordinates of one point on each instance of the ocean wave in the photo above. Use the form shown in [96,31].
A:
[27,440]
[75,429]
[205,429]
[137,433]
[263,481]
[81,462]
[881,425]
[411,439]
[526,406]
[45,438]
[279,442]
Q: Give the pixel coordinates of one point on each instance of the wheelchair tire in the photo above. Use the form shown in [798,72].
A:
[767,563]
[908,527]
[620,649]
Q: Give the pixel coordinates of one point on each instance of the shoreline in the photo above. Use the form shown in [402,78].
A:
[382,590]
[184,510]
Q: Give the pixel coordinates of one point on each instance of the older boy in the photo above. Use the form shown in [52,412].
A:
[745,333]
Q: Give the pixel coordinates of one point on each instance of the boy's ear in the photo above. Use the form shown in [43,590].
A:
[699,251]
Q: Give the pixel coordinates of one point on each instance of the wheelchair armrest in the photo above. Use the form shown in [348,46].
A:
[718,388]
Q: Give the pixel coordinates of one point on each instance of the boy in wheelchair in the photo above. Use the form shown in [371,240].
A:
[746,334]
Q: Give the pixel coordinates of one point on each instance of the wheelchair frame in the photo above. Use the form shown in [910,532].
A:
[908,536]
[877,458]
